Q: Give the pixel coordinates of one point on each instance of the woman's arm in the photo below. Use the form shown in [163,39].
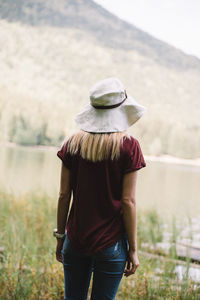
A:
[130,219]
[63,207]
[64,199]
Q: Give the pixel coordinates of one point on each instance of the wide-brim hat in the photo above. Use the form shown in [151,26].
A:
[110,108]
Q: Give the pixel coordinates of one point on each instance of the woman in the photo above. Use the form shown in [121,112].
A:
[99,166]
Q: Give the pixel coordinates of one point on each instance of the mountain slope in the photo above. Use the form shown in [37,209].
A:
[46,72]
[108,29]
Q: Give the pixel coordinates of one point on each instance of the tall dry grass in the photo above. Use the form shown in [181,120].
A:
[29,270]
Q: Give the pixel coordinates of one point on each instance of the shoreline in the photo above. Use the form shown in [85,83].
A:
[169,159]
[164,158]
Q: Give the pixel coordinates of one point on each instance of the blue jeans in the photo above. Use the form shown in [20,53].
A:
[107,267]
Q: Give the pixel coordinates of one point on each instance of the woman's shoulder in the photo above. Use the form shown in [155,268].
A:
[129,142]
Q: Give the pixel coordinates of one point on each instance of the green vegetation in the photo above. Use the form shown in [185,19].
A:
[29,270]
[45,86]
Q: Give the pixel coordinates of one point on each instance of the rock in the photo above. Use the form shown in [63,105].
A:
[188,250]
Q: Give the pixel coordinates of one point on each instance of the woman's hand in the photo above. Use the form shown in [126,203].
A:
[132,263]
[58,249]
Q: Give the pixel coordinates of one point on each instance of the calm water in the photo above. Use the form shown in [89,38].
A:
[170,188]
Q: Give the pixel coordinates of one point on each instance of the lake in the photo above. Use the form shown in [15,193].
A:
[171,188]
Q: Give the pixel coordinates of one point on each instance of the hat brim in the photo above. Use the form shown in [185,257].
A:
[116,119]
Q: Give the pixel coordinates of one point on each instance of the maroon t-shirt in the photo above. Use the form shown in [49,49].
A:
[96,217]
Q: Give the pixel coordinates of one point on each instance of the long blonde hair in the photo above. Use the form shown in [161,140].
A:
[96,146]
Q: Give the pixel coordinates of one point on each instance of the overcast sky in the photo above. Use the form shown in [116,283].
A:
[176,22]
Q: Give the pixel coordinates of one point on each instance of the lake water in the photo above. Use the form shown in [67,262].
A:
[171,188]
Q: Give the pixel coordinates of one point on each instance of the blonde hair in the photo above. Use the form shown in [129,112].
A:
[96,146]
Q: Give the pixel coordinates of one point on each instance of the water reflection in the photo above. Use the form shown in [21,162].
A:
[25,169]
[171,188]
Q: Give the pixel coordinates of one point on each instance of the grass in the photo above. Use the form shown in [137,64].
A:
[29,270]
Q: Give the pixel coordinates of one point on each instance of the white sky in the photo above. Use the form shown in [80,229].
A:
[176,22]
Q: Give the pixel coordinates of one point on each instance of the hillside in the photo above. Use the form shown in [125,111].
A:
[52,54]
[107,29]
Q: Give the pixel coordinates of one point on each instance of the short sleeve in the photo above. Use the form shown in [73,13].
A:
[65,156]
[133,159]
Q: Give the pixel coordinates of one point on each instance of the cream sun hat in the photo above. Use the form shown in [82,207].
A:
[110,108]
